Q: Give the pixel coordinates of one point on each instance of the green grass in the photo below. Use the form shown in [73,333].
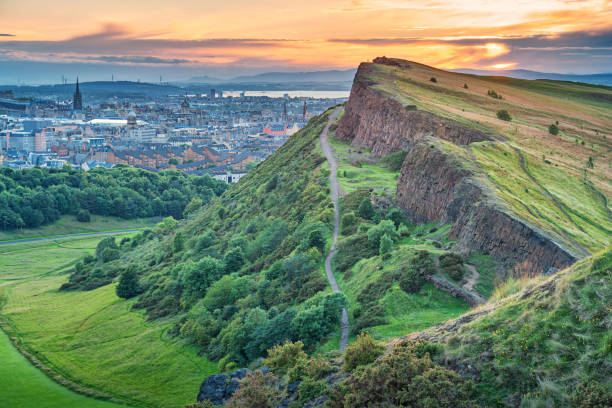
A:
[371,175]
[541,346]
[581,216]
[485,266]
[93,338]
[408,313]
[68,224]
[25,386]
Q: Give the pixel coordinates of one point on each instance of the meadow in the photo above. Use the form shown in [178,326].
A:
[94,340]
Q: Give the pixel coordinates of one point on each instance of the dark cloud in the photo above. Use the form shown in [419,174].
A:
[137,60]
[590,39]
[7,35]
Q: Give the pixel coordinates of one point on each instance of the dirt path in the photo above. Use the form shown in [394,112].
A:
[335,192]
[471,281]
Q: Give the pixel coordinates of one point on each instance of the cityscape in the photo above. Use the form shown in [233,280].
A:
[216,133]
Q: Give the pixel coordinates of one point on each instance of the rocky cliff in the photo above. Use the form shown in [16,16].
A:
[385,126]
[438,182]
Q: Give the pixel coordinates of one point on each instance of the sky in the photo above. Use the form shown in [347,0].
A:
[142,39]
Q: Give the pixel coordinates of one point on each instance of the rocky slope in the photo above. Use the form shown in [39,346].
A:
[439,181]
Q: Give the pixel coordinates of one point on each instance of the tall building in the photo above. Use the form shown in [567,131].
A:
[305,110]
[212,94]
[77,101]
[284,110]
[40,140]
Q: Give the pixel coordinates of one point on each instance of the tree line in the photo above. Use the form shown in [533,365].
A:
[33,197]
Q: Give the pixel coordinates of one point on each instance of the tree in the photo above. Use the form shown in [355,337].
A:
[173,161]
[385,227]
[234,260]
[553,129]
[386,244]
[196,278]
[316,239]
[83,216]
[366,209]
[465,86]
[504,115]
[128,284]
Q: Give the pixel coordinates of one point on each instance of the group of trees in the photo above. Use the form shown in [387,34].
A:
[33,197]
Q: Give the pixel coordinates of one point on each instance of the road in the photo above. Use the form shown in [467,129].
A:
[85,234]
[335,189]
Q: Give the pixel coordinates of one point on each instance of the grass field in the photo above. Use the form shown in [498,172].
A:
[68,224]
[24,385]
[91,338]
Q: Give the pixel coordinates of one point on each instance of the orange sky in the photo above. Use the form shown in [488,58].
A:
[536,34]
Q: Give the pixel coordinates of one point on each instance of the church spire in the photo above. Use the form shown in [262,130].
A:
[77,100]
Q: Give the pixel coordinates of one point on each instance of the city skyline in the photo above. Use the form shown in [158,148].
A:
[186,38]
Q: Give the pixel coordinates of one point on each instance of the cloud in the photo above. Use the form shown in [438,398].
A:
[7,35]
[137,59]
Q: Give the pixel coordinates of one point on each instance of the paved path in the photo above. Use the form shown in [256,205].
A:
[335,188]
[85,234]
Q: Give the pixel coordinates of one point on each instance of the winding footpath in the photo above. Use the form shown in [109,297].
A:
[84,234]
[335,189]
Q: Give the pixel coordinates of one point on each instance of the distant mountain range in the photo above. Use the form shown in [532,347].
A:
[284,77]
[597,79]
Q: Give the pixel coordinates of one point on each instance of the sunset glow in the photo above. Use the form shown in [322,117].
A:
[271,34]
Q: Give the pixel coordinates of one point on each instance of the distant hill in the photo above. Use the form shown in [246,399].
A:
[284,77]
[597,79]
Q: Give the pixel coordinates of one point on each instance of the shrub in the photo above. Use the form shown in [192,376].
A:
[83,216]
[403,379]
[109,254]
[366,209]
[411,280]
[396,160]
[128,284]
[433,79]
[233,259]
[351,250]
[316,239]
[592,395]
[364,350]
[178,242]
[256,390]
[386,244]
[385,227]
[348,223]
[452,264]
[494,94]
[465,86]
[281,358]
[504,115]
[395,215]
[553,129]
[194,205]
[310,389]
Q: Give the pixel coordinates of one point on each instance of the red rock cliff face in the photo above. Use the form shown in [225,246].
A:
[385,126]
[434,186]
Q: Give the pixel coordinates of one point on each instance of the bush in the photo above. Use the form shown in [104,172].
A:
[385,227]
[553,129]
[465,86]
[405,380]
[178,242]
[592,395]
[433,79]
[256,390]
[395,215]
[386,245]
[316,239]
[109,254]
[366,209]
[310,389]
[128,285]
[504,115]
[348,222]
[194,205]
[452,264]
[352,249]
[364,350]
[494,94]
[83,216]
[396,160]
[411,280]
[233,259]
[282,358]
